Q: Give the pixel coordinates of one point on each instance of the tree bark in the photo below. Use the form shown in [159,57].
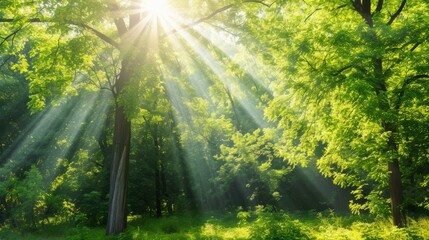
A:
[396,195]
[118,184]
[395,183]
[363,7]
[117,215]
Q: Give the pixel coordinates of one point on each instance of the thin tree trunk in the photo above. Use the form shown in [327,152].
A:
[396,195]
[186,177]
[157,147]
[164,187]
[158,189]
[234,109]
[187,187]
[395,183]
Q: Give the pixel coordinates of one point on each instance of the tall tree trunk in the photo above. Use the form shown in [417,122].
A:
[118,188]
[395,184]
[118,184]
[117,214]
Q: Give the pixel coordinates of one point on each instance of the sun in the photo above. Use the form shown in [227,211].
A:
[157,8]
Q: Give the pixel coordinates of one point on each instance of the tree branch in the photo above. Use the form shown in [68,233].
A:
[379,6]
[357,5]
[222,29]
[214,13]
[134,16]
[338,72]
[415,46]
[416,77]
[396,14]
[5,61]
[311,14]
[364,9]
[99,34]
[10,35]
[404,85]
[309,63]
[341,6]
[121,27]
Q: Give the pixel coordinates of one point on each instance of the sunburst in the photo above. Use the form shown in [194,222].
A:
[157,8]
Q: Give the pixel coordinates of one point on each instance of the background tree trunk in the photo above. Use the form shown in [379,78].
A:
[158,200]
[395,183]
[396,196]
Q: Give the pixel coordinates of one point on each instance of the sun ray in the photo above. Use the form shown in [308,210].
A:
[237,53]
[246,99]
[39,142]
[201,85]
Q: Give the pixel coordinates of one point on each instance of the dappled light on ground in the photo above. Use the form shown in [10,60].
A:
[320,226]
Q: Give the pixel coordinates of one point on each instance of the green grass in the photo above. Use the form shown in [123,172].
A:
[259,225]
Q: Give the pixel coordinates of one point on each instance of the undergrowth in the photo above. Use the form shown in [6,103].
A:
[259,224]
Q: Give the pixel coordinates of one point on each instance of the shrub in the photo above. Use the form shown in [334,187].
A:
[243,217]
[384,231]
[275,226]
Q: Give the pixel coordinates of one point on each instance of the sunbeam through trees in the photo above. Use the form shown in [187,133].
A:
[251,119]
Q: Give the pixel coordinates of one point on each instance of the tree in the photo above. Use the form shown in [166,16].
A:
[57,35]
[353,71]
[251,169]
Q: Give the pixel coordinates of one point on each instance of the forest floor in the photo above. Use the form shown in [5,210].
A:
[242,225]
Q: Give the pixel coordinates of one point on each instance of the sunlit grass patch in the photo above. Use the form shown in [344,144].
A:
[364,227]
[422,224]
[383,229]
[207,226]
[334,232]
[213,231]
[254,225]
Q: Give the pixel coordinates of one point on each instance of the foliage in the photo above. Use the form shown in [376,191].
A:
[251,164]
[24,199]
[332,95]
[344,91]
[277,226]
[215,226]
[54,179]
